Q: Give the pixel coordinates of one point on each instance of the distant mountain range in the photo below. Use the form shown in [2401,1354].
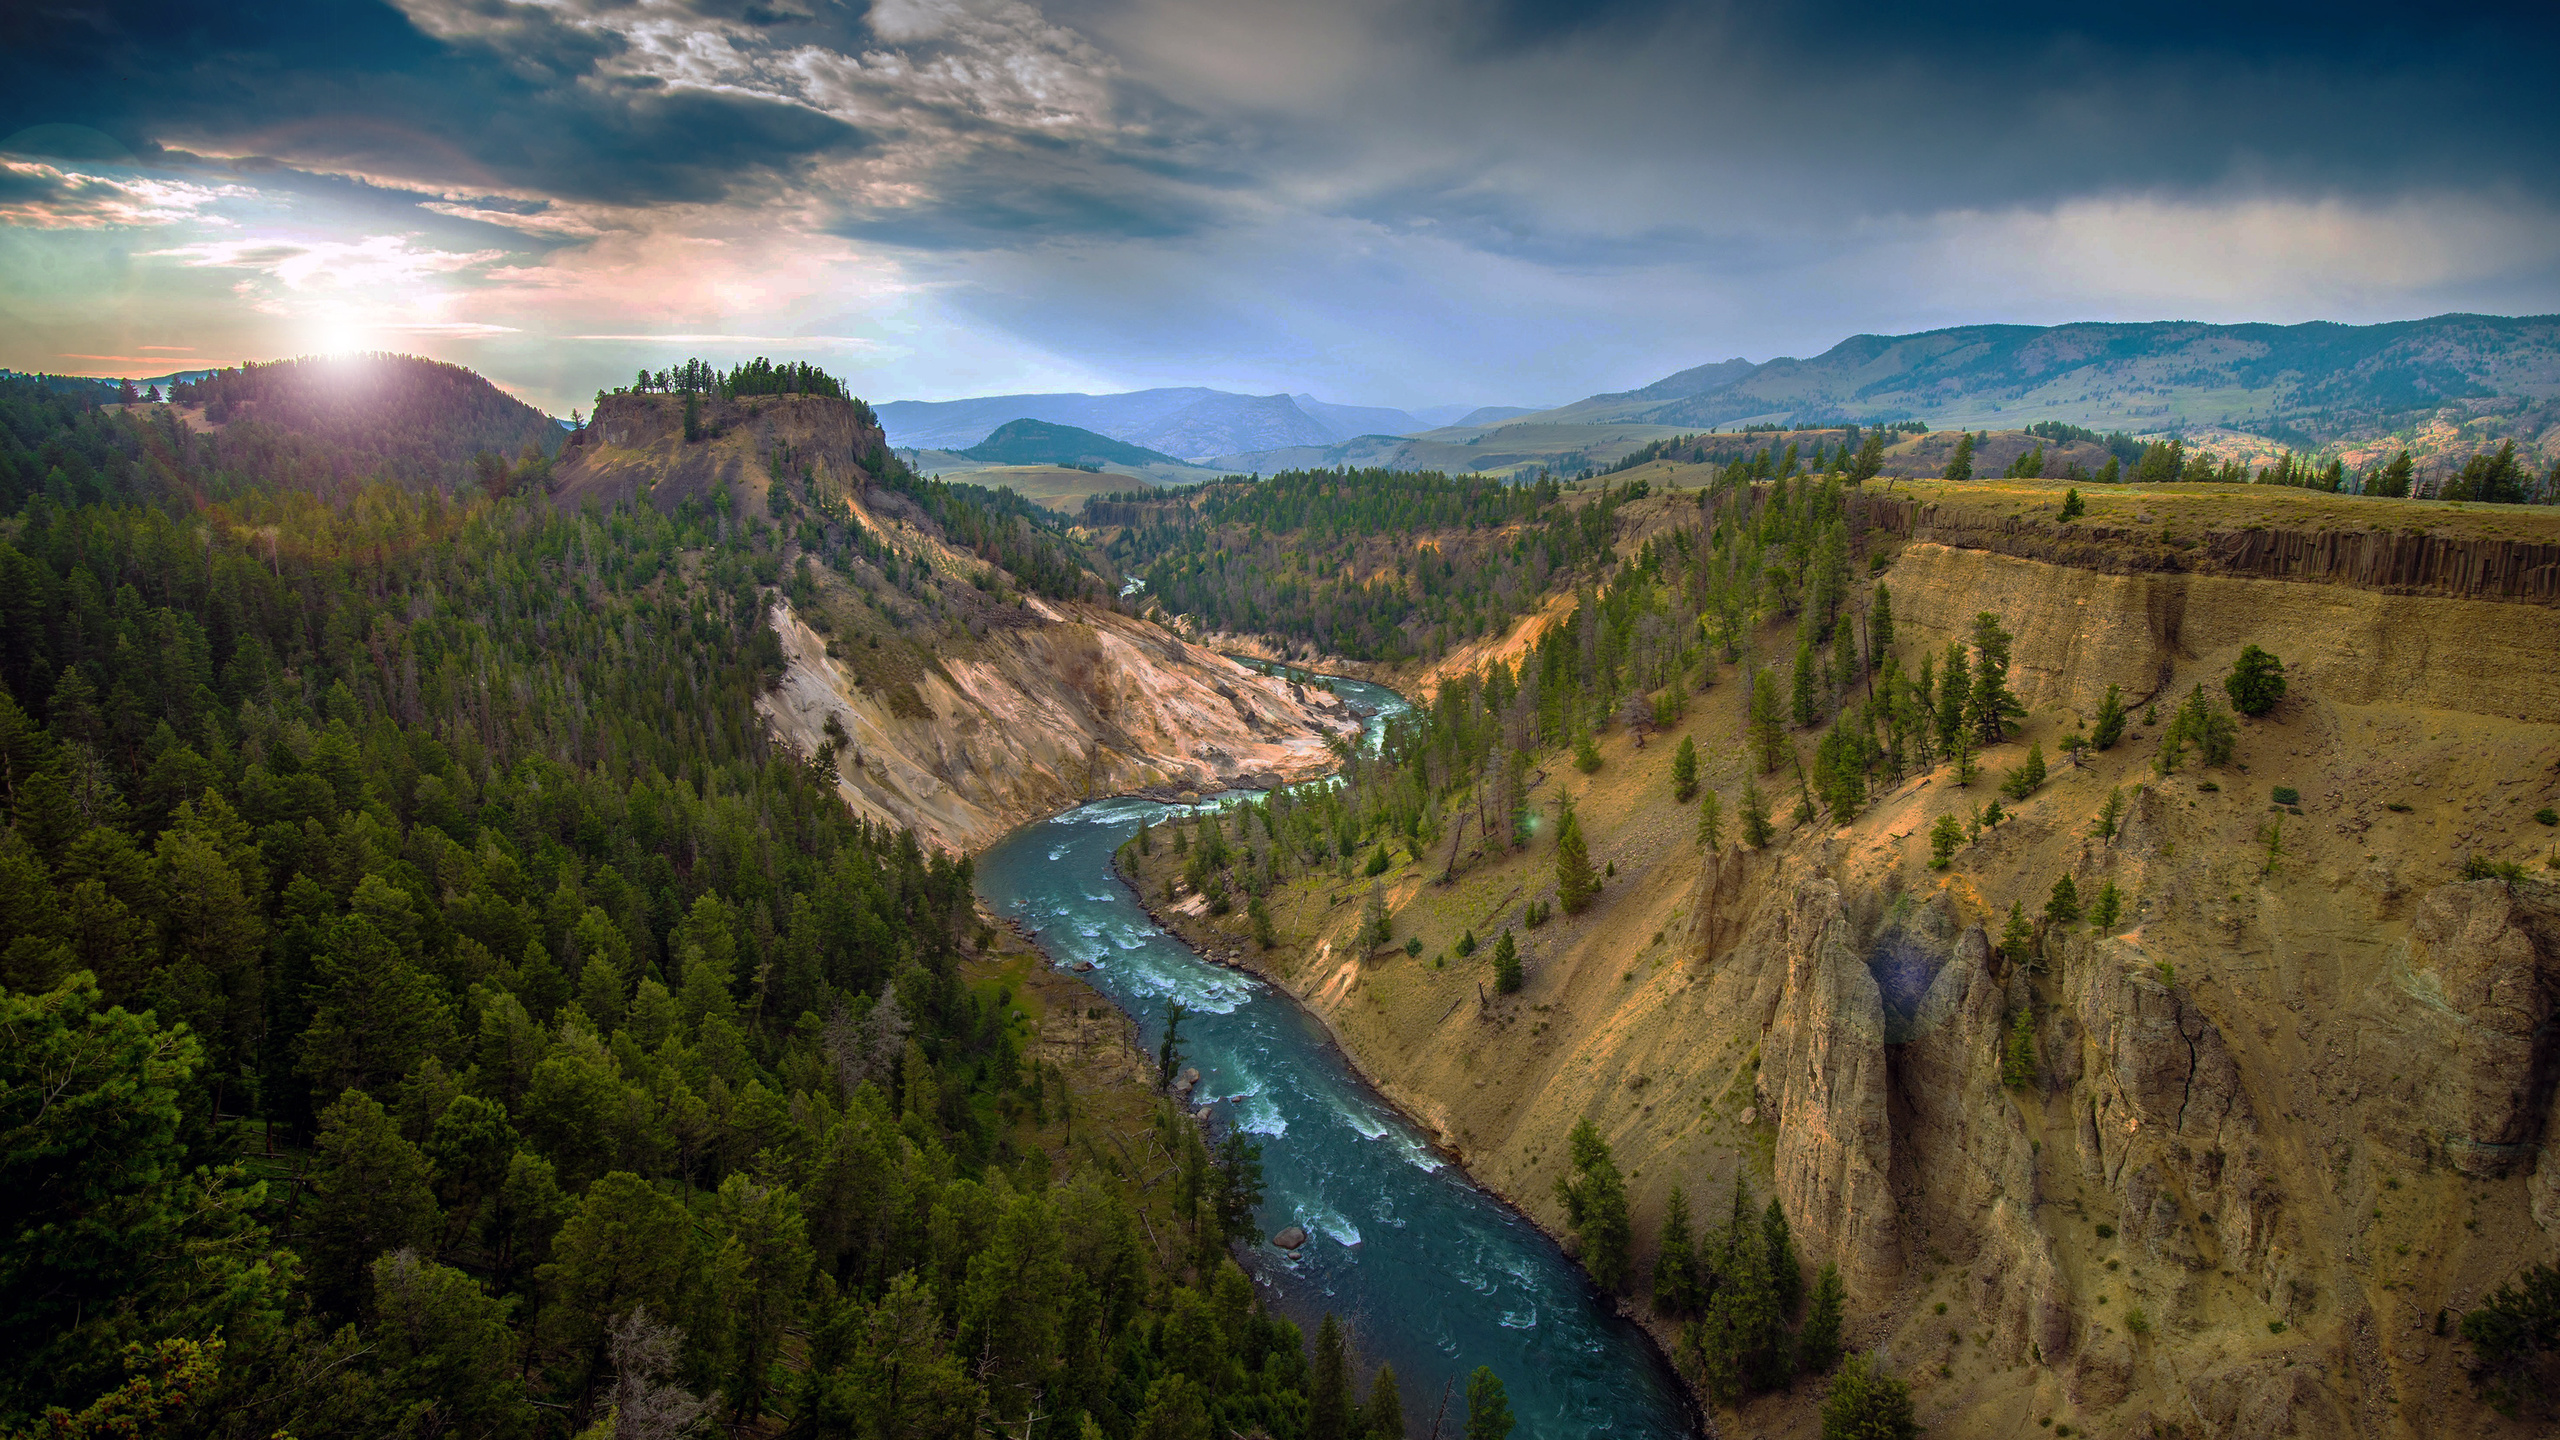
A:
[2311,384]
[1188,422]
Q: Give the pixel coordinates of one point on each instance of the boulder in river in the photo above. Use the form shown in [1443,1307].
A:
[1290,1238]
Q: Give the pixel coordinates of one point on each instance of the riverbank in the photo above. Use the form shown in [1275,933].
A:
[1431,1271]
[1227,941]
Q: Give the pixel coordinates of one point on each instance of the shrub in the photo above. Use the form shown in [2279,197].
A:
[1867,1404]
[2515,1339]
[2287,795]
[1413,946]
[2479,868]
[2547,816]
[1466,945]
[2136,1322]
[1586,755]
[2106,1231]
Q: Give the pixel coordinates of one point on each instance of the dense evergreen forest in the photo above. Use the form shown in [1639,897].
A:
[1368,564]
[430,1005]
[362,416]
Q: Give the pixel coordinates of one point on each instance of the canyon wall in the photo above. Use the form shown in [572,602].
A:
[2295,1102]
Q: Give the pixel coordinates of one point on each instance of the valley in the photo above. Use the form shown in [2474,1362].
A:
[1835,902]
[2268,1108]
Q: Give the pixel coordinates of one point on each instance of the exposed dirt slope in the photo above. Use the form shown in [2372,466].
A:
[964,710]
[2310,1101]
[1087,702]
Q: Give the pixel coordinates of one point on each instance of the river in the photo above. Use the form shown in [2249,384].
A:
[1430,1272]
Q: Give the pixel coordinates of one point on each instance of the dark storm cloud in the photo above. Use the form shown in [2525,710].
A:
[355,84]
[1992,103]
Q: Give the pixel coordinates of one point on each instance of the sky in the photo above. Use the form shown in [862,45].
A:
[1389,202]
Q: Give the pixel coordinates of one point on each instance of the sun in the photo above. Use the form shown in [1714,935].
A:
[337,335]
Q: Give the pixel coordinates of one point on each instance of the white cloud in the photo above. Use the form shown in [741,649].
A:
[42,197]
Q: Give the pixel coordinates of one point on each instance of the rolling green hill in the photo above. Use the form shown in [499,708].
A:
[1042,442]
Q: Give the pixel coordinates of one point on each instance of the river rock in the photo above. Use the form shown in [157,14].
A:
[1290,1238]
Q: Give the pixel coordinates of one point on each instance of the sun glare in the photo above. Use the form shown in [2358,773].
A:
[337,336]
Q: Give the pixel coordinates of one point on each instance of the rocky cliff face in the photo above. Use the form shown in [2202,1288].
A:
[2399,562]
[987,710]
[1084,704]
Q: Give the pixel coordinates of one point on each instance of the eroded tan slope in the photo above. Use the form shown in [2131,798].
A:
[2310,1101]
[1084,703]
[965,710]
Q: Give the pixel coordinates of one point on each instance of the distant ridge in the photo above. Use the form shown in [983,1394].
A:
[1187,422]
[2307,384]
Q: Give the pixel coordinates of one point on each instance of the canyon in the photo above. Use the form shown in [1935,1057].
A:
[2287,1119]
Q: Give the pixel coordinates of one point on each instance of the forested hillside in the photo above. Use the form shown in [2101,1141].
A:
[432,1004]
[1331,560]
[403,416]
[1791,843]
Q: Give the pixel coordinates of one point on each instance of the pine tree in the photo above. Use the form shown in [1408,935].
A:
[2028,777]
[2109,907]
[1375,928]
[1594,1197]
[1711,822]
[1818,1343]
[1870,457]
[1506,964]
[1576,882]
[2018,937]
[1675,1269]
[1768,728]
[1944,837]
[1879,626]
[1786,1282]
[1756,829]
[1586,753]
[1258,912]
[1488,1406]
[1954,688]
[2072,505]
[2063,906]
[1383,1417]
[1684,769]
[1965,751]
[1806,680]
[1168,1051]
[1844,658]
[1991,703]
[2256,682]
[1960,464]
[1329,1387]
[2018,1057]
[2109,727]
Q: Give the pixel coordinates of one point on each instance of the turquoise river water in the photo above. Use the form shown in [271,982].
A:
[1431,1273]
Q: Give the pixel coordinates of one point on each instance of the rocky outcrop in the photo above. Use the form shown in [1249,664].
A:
[2403,562]
[2473,998]
[1716,913]
[2080,630]
[1823,1076]
[2164,1121]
